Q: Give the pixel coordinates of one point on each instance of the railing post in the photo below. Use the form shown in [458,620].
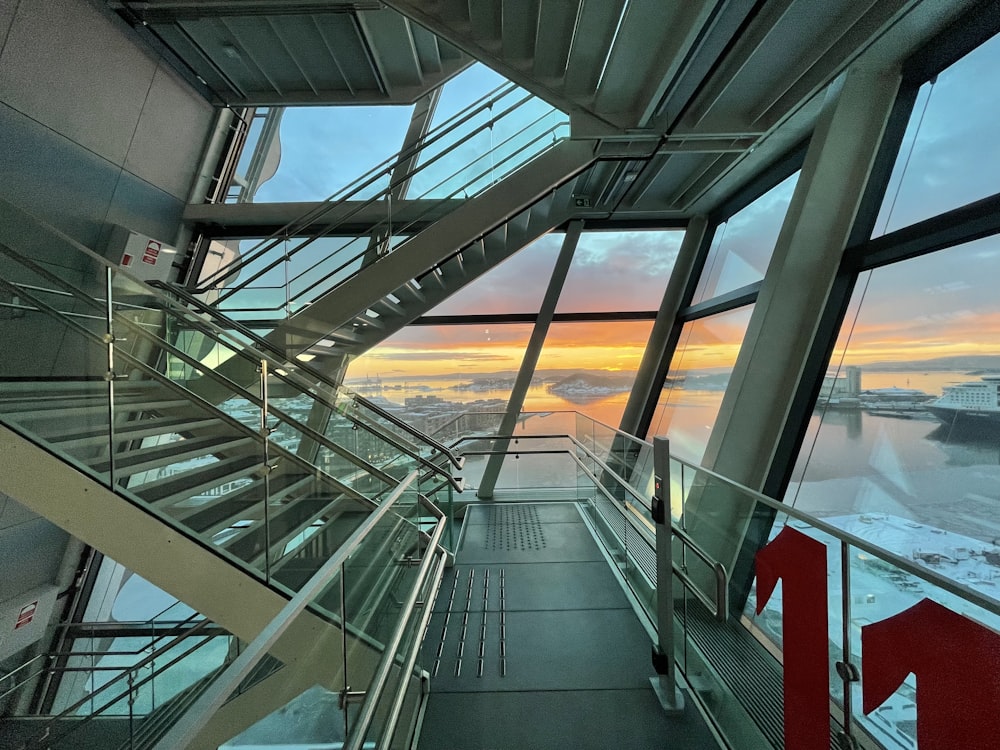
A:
[665,683]
[265,432]
[109,339]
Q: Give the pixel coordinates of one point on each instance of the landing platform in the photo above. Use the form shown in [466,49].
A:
[533,644]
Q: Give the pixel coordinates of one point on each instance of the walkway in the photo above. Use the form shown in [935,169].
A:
[534,644]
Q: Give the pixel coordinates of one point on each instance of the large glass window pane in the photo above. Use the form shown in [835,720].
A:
[743,245]
[431,373]
[906,433]
[515,286]
[588,367]
[950,154]
[699,374]
[615,271]
[323,149]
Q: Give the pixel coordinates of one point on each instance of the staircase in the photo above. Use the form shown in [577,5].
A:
[608,64]
[229,504]
[405,286]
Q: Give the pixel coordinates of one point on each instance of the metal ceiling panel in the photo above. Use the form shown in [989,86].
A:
[264,52]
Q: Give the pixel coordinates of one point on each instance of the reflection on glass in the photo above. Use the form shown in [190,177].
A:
[442,369]
[614,271]
[909,423]
[514,286]
[948,156]
[697,380]
[742,246]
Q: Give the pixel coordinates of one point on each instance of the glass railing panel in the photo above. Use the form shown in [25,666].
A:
[398,678]
[378,577]
[319,715]
[728,672]
[542,473]
[142,684]
[57,391]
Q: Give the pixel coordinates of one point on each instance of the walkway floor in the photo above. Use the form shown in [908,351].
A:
[534,645]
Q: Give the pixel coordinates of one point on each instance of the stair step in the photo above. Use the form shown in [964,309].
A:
[388,306]
[284,522]
[212,515]
[134,462]
[184,485]
[134,430]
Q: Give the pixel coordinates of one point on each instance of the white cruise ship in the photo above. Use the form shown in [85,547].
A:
[975,401]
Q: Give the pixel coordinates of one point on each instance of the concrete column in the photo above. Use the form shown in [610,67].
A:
[656,358]
[527,371]
[792,298]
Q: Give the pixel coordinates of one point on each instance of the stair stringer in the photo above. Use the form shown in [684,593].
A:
[139,540]
[436,243]
[480,258]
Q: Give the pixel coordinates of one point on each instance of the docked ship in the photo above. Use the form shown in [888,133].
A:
[975,402]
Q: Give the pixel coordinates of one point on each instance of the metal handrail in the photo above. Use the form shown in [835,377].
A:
[908,566]
[193,721]
[403,229]
[721,603]
[440,447]
[220,335]
[720,606]
[126,672]
[312,372]
[374,692]
[359,184]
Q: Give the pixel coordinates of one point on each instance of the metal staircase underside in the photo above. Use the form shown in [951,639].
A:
[188,516]
[607,63]
[435,263]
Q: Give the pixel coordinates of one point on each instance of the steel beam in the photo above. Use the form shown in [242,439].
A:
[530,360]
[792,299]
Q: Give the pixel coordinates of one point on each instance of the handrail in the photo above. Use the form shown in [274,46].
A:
[721,603]
[926,574]
[221,415]
[193,721]
[403,229]
[126,672]
[367,713]
[219,334]
[936,579]
[440,447]
[176,626]
[358,184]
[311,371]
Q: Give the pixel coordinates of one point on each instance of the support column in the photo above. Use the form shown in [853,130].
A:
[791,302]
[656,357]
[527,371]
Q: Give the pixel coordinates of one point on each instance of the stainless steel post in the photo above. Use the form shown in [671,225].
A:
[665,683]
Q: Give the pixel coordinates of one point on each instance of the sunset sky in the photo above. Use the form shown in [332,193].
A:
[939,305]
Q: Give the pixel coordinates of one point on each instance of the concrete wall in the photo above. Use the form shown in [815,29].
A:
[94,131]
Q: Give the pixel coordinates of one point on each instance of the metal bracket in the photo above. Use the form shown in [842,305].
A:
[848,672]
[348,696]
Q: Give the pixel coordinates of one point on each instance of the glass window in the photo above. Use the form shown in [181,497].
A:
[950,154]
[449,366]
[742,246]
[589,368]
[614,271]
[324,149]
[908,427]
[464,90]
[506,128]
[517,285]
[697,380]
